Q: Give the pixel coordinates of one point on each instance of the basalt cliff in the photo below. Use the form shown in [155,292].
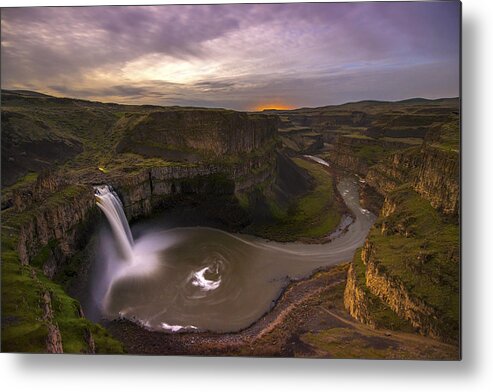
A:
[406,155]
[153,157]
[242,170]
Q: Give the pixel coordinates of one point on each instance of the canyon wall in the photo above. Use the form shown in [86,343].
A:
[155,158]
[360,153]
[438,181]
[410,261]
[54,218]
[59,223]
[401,300]
[51,212]
[356,299]
[200,131]
[406,156]
[147,190]
[433,173]
[343,156]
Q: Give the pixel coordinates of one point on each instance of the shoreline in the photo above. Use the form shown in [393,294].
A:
[281,298]
[136,338]
[308,320]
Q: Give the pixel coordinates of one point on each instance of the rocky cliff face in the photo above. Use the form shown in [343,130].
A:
[54,343]
[393,293]
[361,154]
[46,184]
[399,168]
[60,225]
[410,259]
[433,173]
[319,119]
[344,155]
[149,190]
[52,214]
[377,288]
[357,301]
[54,219]
[437,180]
[213,132]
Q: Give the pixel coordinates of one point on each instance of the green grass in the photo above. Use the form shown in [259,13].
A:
[23,327]
[449,137]
[243,200]
[371,154]
[383,316]
[347,343]
[25,181]
[28,179]
[44,254]
[311,216]
[426,259]
[414,141]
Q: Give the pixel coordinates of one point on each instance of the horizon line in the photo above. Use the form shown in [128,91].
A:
[369,100]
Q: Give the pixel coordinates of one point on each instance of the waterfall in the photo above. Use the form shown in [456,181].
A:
[109,202]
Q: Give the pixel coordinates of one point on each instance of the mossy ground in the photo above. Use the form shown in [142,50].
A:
[371,154]
[320,327]
[381,313]
[346,343]
[426,259]
[429,268]
[311,216]
[449,137]
[23,327]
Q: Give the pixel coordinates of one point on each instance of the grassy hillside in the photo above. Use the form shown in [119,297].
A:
[310,216]
[289,199]
[25,322]
[40,132]
[388,123]
[421,248]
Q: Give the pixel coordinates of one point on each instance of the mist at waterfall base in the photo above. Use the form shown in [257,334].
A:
[186,278]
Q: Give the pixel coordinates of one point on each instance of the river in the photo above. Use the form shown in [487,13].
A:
[188,278]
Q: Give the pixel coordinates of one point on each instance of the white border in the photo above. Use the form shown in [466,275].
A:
[85,373]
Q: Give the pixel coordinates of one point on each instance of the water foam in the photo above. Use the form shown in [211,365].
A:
[109,202]
[199,279]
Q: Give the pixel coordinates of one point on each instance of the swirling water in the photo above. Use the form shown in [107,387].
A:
[202,278]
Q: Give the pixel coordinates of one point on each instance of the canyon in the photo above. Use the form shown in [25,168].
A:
[244,172]
[407,157]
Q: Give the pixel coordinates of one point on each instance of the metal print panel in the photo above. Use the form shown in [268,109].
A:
[232,180]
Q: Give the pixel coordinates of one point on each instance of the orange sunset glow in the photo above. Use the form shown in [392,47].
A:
[192,56]
[272,106]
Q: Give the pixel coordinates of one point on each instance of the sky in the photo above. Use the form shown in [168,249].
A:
[237,56]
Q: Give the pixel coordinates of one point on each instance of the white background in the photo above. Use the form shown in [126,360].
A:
[473,373]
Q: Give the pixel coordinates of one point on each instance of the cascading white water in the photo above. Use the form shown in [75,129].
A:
[119,258]
[188,278]
[109,202]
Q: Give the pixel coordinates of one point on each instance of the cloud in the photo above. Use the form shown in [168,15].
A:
[234,55]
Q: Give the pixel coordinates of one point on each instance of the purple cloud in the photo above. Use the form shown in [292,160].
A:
[235,55]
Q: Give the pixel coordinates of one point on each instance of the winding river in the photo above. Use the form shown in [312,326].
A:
[202,278]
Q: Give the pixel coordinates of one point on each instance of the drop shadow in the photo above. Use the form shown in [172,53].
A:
[33,364]
[471,209]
